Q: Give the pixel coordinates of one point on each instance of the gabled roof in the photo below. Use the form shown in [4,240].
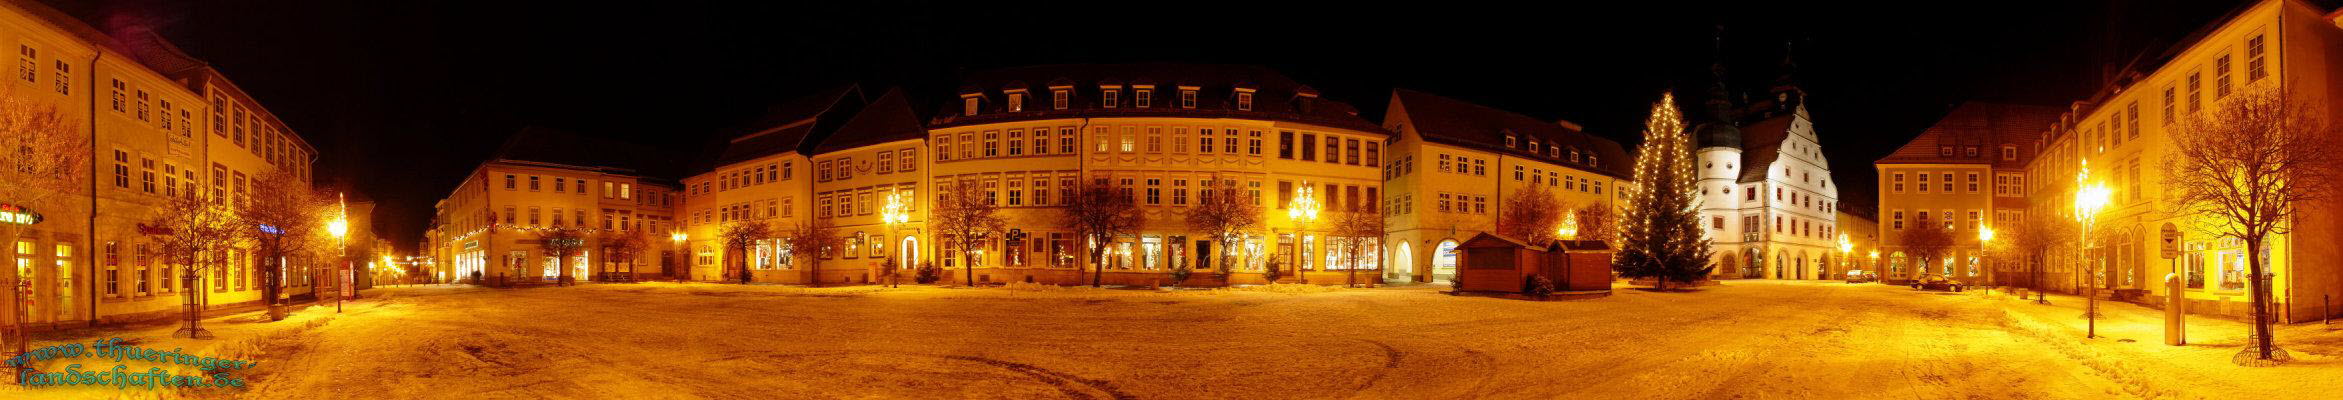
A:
[888,118]
[790,126]
[1761,144]
[1984,125]
[1274,96]
[1456,122]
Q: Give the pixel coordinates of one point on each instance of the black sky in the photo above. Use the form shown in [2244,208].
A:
[404,97]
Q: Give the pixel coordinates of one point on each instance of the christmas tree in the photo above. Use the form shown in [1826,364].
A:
[1660,236]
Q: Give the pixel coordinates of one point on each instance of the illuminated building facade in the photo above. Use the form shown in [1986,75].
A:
[491,228]
[163,123]
[1966,173]
[1452,165]
[2123,133]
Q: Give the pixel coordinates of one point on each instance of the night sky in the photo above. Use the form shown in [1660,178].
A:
[405,97]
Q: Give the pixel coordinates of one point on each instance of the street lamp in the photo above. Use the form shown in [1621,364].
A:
[1569,233]
[340,228]
[1846,250]
[1303,211]
[1875,261]
[895,215]
[1985,246]
[2090,198]
[681,265]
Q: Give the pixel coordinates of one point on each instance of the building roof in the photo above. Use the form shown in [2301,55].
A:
[1456,122]
[1761,144]
[1275,97]
[553,146]
[790,126]
[888,118]
[1985,126]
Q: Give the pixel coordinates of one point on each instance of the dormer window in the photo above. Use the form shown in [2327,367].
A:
[1944,151]
[1554,152]
[2009,153]
[1188,97]
[1970,151]
[1017,101]
[969,105]
[1533,145]
[1244,99]
[1058,98]
[1142,97]
[1574,155]
[1107,97]
[1509,141]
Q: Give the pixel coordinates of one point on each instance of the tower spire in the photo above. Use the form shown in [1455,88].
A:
[1720,99]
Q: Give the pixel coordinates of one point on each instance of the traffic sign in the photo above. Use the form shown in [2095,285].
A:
[2171,241]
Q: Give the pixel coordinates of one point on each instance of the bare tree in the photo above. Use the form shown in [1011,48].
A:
[1360,231]
[738,237]
[561,242]
[1531,214]
[624,245]
[2249,163]
[1598,222]
[812,234]
[2035,238]
[1221,212]
[43,157]
[1097,214]
[967,216]
[291,217]
[1929,242]
[197,234]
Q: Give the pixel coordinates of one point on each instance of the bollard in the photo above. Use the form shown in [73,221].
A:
[2175,331]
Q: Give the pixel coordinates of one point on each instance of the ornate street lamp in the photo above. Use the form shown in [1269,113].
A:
[1985,245]
[684,263]
[2090,198]
[895,216]
[1846,250]
[1303,210]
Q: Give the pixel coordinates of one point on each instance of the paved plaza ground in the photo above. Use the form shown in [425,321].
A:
[1741,339]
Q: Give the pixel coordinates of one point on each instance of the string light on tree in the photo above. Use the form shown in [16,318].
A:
[1661,237]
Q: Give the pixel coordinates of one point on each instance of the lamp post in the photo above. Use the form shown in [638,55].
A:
[2090,197]
[1303,210]
[340,228]
[1985,248]
[1846,249]
[1875,261]
[1569,233]
[894,216]
[682,265]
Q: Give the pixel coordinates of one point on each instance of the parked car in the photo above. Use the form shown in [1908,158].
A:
[1937,282]
[1861,276]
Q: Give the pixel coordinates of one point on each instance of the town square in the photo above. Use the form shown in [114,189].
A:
[1676,200]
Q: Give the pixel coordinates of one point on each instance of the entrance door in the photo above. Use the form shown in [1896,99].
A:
[1204,256]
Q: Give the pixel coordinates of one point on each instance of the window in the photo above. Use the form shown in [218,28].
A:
[1480,167]
[1016,101]
[118,102]
[943,148]
[1245,101]
[28,57]
[1107,97]
[1374,153]
[1188,98]
[1333,149]
[1924,182]
[1154,139]
[2221,76]
[1066,140]
[968,105]
[2168,106]
[992,144]
[1252,144]
[1129,139]
[64,77]
[2133,117]
[533,183]
[1285,145]
[1351,151]
[1016,148]
[2254,70]
[1058,98]
[1309,147]
[1141,97]
[121,169]
[822,171]
[2009,152]
[1972,182]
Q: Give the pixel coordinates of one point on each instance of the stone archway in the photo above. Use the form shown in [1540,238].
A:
[1403,263]
[1444,260]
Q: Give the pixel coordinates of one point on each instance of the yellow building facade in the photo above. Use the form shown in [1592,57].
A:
[491,228]
[1967,174]
[1452,165]
[2121,135]
[163,124]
